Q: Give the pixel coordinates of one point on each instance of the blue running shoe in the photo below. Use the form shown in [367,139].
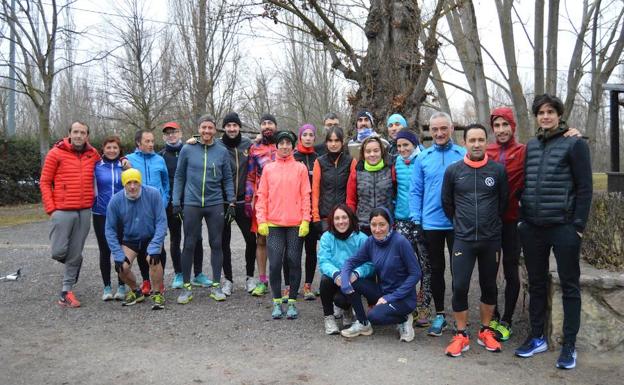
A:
[277,312]
[178,281]
[567,358]
[292,312]
[532,346]
[201,280]
[107,295]
[438,324]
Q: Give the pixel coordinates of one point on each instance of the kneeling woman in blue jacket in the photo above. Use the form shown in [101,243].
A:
[398,273]
[342,241]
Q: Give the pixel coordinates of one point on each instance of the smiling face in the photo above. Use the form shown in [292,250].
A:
[405,148]
[379,227]
[341,221]
[363,122]
[547,117]
[268,128]
[476,142]
[372,153]
[307,138]
[284,148]
[441,130]
[231,130]
[502,130]
[111,150]
[172,135]
[146,145]
[207,131]
[334,144]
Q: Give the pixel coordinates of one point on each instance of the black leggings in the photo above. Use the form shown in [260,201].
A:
[309,244]
[331,295]
[99,224]
[213,216]
[465,254]
[385,314]
[435,246]
[244,224]
[511,260]
[284,242]
[175,238]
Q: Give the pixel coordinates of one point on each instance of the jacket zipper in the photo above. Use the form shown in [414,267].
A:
[237,166]
[476,207]
[204,178]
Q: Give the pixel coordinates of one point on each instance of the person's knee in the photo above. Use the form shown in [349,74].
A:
[261,241]
[376,315]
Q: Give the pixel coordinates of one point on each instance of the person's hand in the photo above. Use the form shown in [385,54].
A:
[230,214]
[248,210]
[318,227]
[153,259]
[338,281]
[192,140]
[121,266]
[572,131]
[125,163]
[354,276]
[176,211]
[304,229]
[381,301]
[263,229]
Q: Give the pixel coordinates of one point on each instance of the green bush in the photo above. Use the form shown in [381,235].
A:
[20,166]
[603,239]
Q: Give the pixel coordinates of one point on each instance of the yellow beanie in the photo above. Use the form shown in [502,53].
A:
[129,175]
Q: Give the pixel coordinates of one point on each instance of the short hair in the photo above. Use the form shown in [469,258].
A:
[336,131]
[113,139]
[380,211]
[353,221]
[139,135]
[441,114]
[330,115]
[554,101]
[474,126]
[81,123]
[373,139]
[206,118]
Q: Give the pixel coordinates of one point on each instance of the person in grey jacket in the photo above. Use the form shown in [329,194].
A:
[203,177]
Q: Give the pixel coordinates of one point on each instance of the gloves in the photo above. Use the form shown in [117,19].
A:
[119,265]
[304,229]
[318,228]
[230,214]
[177,210]
[248,210]
[263,229]
[153,259]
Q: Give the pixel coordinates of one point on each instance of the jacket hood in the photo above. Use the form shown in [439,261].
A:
[505,113]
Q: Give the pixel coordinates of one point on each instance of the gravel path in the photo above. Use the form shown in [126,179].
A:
[231,342]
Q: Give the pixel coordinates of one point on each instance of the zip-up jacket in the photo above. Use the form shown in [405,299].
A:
[308,160]
[239,158]
[141,220]
[396,267]
[426,187]
[66,181]
[369,189]
[283,196]
[107,183]
[329,183]
[203,176]
[260,154]
[334,252]
[511,155]
[403,169]
[153,171]
[558,182]
[474,196]
[171,154]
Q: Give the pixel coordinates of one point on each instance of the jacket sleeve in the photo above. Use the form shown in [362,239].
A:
[252,175]
[179,179]
[416,193]
[367,269]
[325,253]
[352,200]
[316,191]
[46,181]
[164,179]
[413,269]
[228,182]
[110,230]
[304,192]
[580,165]
[156,244]
[262,198]
[361,257]
[448,193]
[503,192]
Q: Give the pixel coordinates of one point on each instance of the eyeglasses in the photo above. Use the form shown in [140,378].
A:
[171,133]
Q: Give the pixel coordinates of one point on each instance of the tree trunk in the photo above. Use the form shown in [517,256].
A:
[551,48]
[43,114]
[538,48]
[201,89]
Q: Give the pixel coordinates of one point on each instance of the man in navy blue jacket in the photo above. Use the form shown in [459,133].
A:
[138,212]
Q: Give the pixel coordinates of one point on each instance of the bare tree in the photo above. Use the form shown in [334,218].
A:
[551,46]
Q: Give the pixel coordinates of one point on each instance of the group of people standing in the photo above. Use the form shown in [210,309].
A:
[377,212]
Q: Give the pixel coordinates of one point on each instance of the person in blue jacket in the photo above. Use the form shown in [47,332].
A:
[136,226]
[393,293]
[154,172]
[425,206]
[340,242]
[107,175]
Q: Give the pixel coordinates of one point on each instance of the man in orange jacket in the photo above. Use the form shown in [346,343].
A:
[66,185]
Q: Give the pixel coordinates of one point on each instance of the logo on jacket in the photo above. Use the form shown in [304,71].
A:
[246,152]
[489,181]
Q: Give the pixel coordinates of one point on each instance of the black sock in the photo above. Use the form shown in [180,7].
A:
[462,332]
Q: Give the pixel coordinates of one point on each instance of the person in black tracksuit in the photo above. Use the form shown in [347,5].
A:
[554,209]
[474,196]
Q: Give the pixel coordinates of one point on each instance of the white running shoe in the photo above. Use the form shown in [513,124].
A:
[406,329]
[357,329]
[331,327]
[227,287]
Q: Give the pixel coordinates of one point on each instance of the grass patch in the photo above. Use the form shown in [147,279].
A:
[600,181]
[21,214]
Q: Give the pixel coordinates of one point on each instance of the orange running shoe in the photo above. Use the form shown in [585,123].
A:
[69,300]
[285,294]
[487,339]
[146,287]
[460,343]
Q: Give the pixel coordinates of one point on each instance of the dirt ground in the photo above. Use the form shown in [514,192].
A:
[231,342]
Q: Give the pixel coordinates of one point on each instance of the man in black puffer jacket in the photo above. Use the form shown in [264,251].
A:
[553,213]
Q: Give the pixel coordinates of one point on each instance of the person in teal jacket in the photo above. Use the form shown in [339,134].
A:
[337,245]
[426,206]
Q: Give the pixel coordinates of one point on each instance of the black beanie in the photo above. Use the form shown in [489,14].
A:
[232,117]
[268,116]
[366,114]
[281,135]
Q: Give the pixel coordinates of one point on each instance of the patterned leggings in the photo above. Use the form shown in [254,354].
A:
[407,228]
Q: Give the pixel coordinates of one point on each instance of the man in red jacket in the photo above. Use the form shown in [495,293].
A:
[66,185]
